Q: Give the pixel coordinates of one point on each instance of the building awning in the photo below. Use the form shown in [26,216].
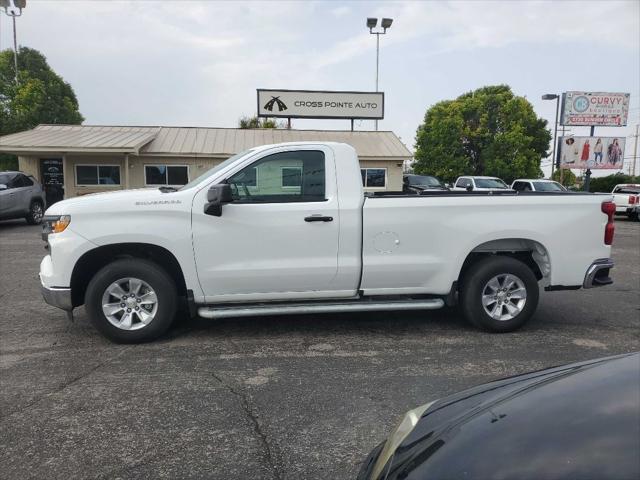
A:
[190,141]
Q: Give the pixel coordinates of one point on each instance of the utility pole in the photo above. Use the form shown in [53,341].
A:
[13,12]
[635,151]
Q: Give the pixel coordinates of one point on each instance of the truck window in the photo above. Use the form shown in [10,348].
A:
[522,187]
[281,178]
[463,183]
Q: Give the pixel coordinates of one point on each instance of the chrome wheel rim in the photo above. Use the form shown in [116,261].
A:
[129,303]
[36,212]
[504,297]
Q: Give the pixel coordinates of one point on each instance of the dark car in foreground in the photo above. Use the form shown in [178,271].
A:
[21,196]
[419,183]
[577,421]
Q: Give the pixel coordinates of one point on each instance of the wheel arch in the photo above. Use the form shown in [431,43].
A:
[93,260]
[531,252]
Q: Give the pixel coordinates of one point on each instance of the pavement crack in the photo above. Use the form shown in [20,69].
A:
[62,387]
[269,454]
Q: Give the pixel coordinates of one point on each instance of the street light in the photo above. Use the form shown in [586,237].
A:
[553,96]
[385,24]
[17,5]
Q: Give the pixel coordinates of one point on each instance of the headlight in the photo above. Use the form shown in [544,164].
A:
[54,224]
[408,422]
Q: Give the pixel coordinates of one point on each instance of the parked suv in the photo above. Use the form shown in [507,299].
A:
[419,183]
[479,184]
[21,196]
[536,185]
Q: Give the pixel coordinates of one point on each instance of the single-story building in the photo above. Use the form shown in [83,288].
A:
[73,160]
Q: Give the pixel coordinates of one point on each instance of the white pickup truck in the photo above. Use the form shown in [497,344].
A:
[626,196]
[286,229]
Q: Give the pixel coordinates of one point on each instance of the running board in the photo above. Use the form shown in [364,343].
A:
[329,307]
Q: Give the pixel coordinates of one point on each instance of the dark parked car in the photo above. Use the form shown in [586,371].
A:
[578,421]
[21,196]
[419,183]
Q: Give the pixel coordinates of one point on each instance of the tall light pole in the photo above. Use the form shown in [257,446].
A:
[14,12]
[385,24]
[553,96]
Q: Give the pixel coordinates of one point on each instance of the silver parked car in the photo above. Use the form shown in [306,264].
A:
[21,196]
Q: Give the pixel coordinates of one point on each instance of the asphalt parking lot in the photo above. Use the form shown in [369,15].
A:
[273,398]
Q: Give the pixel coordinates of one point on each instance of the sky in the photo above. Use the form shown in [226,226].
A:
[199,63]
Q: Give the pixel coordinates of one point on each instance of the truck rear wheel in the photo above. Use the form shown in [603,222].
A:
[499,294]
[131,301]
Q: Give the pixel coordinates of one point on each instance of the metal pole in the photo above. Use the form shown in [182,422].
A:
[559,161]
[555,136]
[377,65]
[15,47]
[635,152]
[587,175]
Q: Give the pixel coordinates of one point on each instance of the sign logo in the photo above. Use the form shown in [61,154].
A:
[581,104]
[275,100]
[606,109]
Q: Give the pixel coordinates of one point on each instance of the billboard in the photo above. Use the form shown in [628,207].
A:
[320,104]
[595,108]
[592,152]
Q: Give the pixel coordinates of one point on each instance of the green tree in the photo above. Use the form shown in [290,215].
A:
[568,177]
[255,122]
[606,184]
[41,96]
[489,131]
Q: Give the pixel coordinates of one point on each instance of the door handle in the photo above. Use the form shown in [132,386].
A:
[318,218]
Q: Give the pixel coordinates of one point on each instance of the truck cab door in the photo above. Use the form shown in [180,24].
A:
[278,238]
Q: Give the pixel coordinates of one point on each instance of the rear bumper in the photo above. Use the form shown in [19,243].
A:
[57,297]
[598,273]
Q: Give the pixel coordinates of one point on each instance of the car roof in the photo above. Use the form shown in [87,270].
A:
[534,180]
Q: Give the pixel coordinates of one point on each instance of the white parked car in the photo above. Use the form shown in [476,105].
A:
[479,184]
[537,185]
[626,196]
[286,229]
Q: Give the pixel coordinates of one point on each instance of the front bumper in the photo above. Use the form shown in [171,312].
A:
[598,273]
[57,297]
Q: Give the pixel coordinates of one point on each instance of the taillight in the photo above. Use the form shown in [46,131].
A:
[609,209]
[632,200]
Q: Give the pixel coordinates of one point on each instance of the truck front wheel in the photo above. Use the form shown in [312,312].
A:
[131,301]
[499,294]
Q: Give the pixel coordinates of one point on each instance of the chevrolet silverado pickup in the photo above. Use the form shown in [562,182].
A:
[286,229]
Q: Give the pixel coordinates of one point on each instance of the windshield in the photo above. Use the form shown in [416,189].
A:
[424,181]
[631,190]
[548,187]
[215,169]
[490,183]
[5,178]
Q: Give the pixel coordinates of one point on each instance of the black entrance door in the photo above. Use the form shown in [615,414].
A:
[52,173]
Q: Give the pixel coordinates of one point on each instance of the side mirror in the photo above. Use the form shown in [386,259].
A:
[469,188]
[3,187]
[217,196]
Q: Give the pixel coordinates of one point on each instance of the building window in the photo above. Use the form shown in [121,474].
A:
[166,175]
[374,177]
[87,175]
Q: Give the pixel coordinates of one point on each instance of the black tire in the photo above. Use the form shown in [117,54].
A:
[155,277]
[476,279]
[36,212]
